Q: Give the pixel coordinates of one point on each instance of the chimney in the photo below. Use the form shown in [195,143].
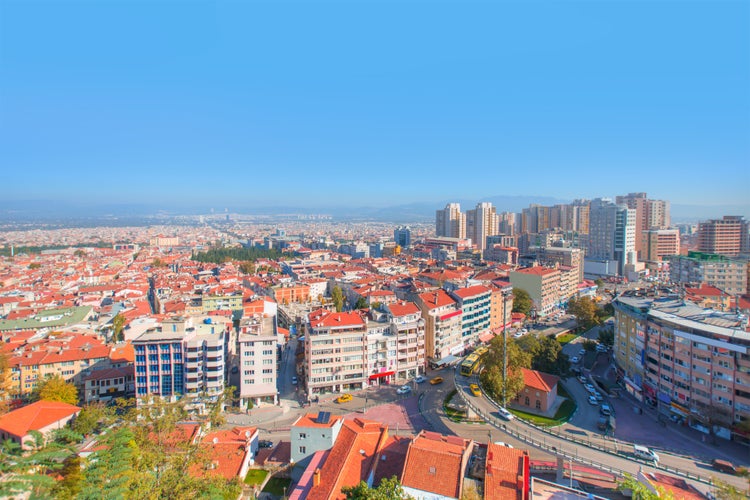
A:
[316,477]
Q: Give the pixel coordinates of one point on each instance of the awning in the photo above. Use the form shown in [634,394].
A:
[486,337]
[446,360]
[680,410]
[381,375]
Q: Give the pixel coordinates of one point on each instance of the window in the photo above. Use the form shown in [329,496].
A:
[302,435]
[526,401]
[302,449]
[538,405]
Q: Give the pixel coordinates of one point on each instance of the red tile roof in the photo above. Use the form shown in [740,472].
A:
[35,416]
[471,291]
[403,308]
[506,474]
[438,298]
[351,458]
[225,452]
[324,318]
[538,380]
[435,463]
[310,420]
[538,270]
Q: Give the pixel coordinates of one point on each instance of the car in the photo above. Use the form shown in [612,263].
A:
[436,380]
[724,466]
[524,331]
[601,348]
[598,396]
[420,379]
[575,359]
[500,443]
[582,352]
[605,410]
[404,389]
[503,413]
[474,388]
[582,379]
[344,398]
[265,443]
[517,335]
[593,401]
[294,381]
[590,388]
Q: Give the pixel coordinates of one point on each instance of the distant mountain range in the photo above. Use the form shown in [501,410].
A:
[60,212]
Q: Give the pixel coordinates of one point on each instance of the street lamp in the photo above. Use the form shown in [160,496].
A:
[505,294]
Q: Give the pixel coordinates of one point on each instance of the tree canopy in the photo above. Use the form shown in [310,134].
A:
[546,354]
[585,311]
[521,301]
[242,254]
[55,388]
[338,298]
[118,325]
[388,489]
[492,375]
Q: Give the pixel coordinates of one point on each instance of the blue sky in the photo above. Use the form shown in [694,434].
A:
[382,103]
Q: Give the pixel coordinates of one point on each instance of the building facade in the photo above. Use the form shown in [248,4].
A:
[729,236]
[442,318]
[450,222]
[475,303]
[730,275]
[542,285]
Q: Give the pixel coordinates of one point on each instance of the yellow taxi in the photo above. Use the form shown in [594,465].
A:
[344,398]
[474,388]
[436,380]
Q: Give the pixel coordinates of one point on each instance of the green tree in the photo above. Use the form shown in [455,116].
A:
[338,298]
[361,303]
[545,353]
[388,489]
[725,491]
[589,345]
[247,267]
[72,478]
[90,418]
[521,301]
[55,388]
[118,325]
[79,253]
[492,376]
[599,283]
[607,336]
[4,382]
[585,311]
[640,491]
[35,265]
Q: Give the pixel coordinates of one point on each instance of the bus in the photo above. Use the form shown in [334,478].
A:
[470,365]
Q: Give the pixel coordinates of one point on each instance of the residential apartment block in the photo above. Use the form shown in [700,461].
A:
[442,325]
[542,285]
[257,344]
[727,236]
[691,362]
[730,275]
[184,356]
[475,304]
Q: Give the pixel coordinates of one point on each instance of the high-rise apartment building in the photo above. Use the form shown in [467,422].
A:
[727,236]
[661,243]
[450,221]
[649,214]
[475,304]
[257,347]
[727,274]
[480,223]
[611,234]
[542,284]
[402,236]
[442,318]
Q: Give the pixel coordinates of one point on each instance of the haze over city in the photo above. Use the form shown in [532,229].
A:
[255,105]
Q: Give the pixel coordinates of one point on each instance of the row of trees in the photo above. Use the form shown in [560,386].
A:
[220,255]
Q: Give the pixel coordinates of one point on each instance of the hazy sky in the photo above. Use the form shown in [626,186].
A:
[374,103]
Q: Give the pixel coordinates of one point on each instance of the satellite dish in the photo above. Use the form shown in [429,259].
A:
[215,440]
[247,434]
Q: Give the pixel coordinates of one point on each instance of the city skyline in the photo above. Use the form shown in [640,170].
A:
[333,105]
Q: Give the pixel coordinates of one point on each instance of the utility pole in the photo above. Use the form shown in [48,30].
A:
[505,294]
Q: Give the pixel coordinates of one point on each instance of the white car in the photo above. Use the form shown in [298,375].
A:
[601,348]
[500,443]
[505,413]
[420,379]
[593,401]
[404,389]
[590,388]
[575,359]
[598,396]
[294,381]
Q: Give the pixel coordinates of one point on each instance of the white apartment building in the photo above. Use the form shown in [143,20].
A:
[257,346]
[442,325]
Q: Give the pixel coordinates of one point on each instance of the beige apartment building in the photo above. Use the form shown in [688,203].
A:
[727,236]
[335,349]
[542,285]
[689,362]
[661,243]
[257,344]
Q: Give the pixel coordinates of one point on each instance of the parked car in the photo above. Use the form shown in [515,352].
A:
[294,381]
[590,388]
[593,401]
[501,443]
[436,380]
[344,398]
[582,352]
[420,379]
[601,348]
[404,389]
[575,359]
[265,443]
[598,396]
[474,388]
[605,410]
[582,379]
